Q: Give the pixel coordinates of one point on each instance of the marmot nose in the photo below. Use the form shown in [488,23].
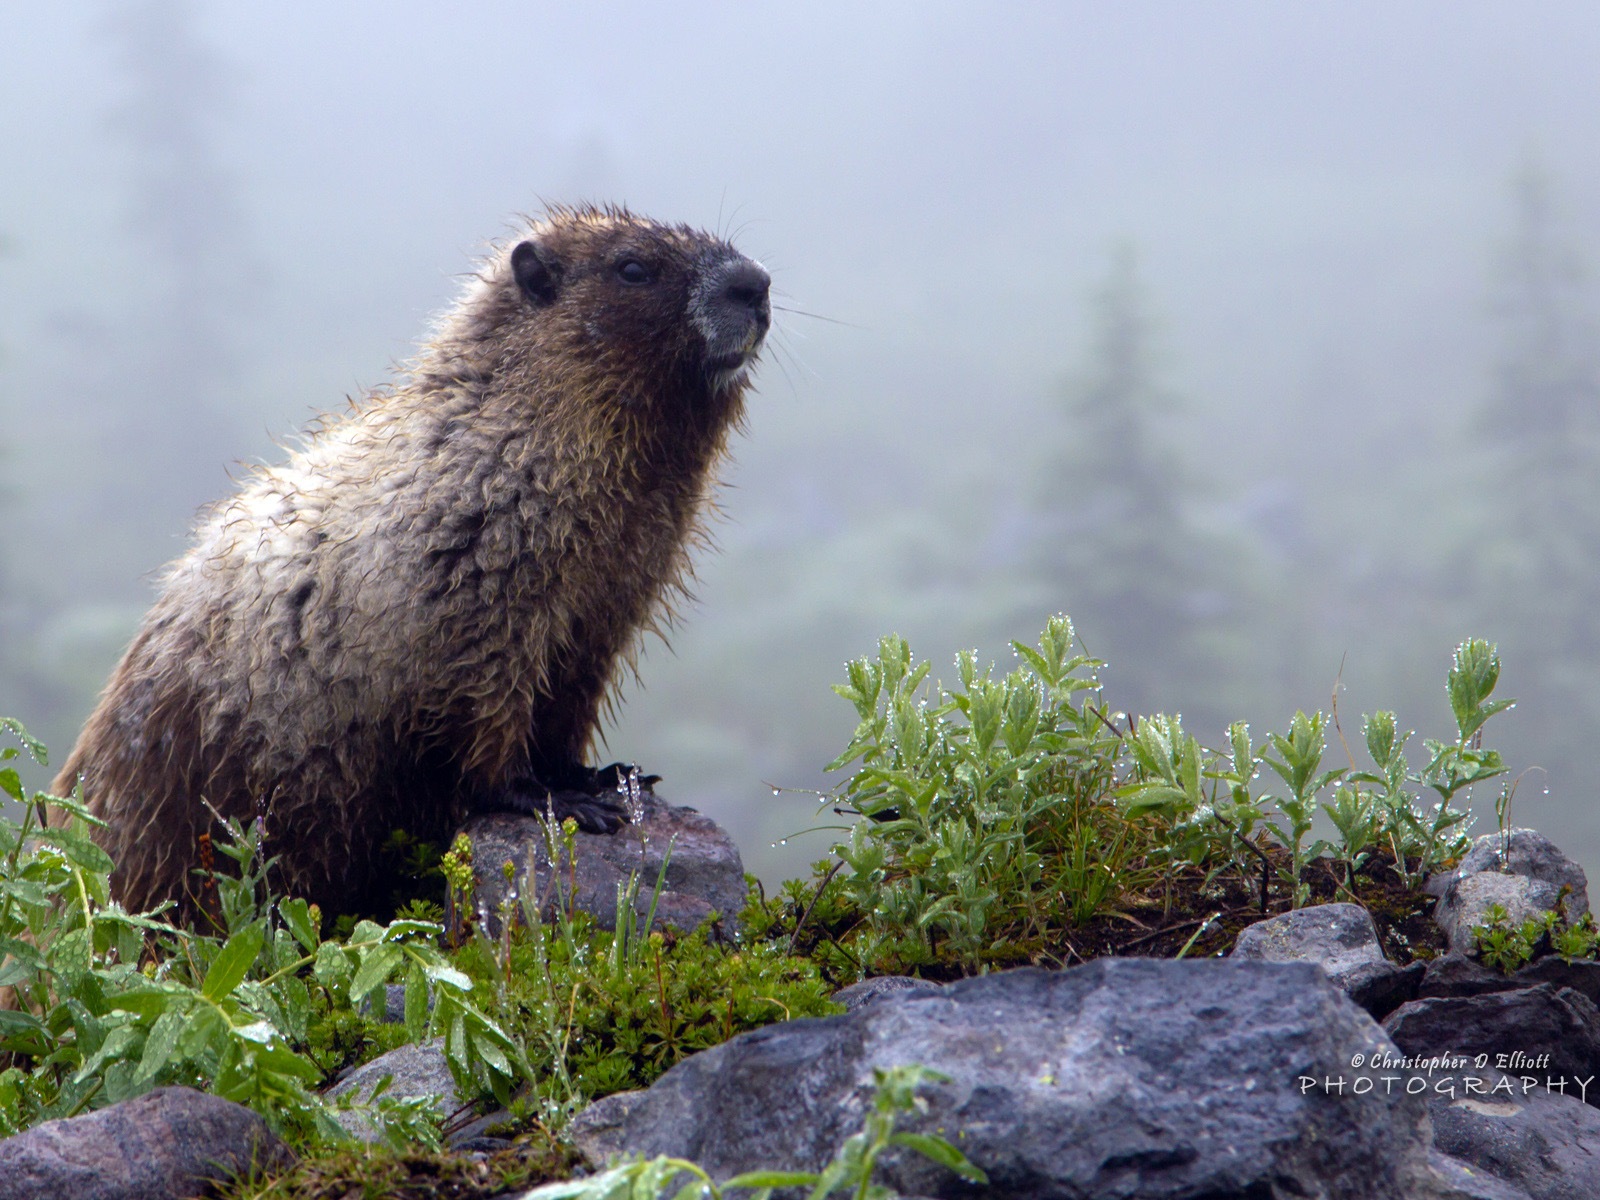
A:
[745,284]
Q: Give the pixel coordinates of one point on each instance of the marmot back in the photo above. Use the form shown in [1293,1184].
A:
[422,612]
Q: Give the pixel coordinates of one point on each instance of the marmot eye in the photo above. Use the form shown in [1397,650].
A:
[634,272]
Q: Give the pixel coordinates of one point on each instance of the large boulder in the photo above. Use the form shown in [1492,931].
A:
[1341,939]
[1121,1078]
[1522,871]
[1546,1033]
[705,874]
[169,1143]
[1548,1145]
[418,1069]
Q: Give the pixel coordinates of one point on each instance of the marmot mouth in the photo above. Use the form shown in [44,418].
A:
[726,363]
[728,370]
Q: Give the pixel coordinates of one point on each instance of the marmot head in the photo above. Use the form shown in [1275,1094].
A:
[651,309]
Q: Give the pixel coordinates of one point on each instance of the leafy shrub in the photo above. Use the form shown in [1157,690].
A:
[112,1004]
[1003,809]
[989,804]
[1506,947]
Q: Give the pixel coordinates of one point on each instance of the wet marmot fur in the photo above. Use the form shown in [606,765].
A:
[421,613]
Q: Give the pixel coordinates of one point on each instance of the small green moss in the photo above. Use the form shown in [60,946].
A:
[623,1019]
[370,1172]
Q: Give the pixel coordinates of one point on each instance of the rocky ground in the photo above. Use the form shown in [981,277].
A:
[1329,1055]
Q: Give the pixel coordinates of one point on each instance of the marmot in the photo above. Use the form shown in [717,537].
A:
[422,612]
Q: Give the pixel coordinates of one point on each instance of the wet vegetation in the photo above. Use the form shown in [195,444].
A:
[1000,820]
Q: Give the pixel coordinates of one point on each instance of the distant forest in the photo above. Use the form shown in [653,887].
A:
[1212,584]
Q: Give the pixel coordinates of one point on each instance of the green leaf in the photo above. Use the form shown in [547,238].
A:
[1037,661]
[295,999]
[296,914]
[18,1024]
[280,1060]
[400,930]
[263,1033]
[234,961]
[1379,729]
[1143,798]
[442,972]
[332,965]
[416,1007]
[491,1053]
[1243,755]
[161,1043]
[145,1003]
[772,1179]
[205,1027]
[21,953]
[84,852]
[376,967]
[34,745]
[941,1152]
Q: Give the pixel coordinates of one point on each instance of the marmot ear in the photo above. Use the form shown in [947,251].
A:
[537,274]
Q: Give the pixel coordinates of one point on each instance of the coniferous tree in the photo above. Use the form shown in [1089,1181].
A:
[189,231]
[1538,563]
[1118,545]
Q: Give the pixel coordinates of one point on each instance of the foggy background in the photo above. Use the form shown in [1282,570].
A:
[1257,337]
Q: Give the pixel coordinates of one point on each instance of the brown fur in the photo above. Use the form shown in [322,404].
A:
[422,611]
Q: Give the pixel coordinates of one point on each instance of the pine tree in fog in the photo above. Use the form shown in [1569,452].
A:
[137,427]
[188,235]
[1538,561]
[1117,545]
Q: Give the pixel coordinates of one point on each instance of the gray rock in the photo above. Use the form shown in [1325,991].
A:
[1454,975]
[417,1070]
[598,1130]
[1343,941]
[1545,1033]
[1580,975]
[1457,975]
[705,874]
[1380,991]
[476,1136]
[1339,938]
[1472,898]
[880,987]
[394,1004]
[1458,1180]
[167,1143]
[1122,1078]
[1528,852]
[1533,878]
[1548,1145]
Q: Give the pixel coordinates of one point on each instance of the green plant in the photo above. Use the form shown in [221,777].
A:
[991,817]
[850,1170]
[112,1004]
[1005,812]
[1299,755]
[1505,946]
[603,1011]
[1577,940]
[1355,814]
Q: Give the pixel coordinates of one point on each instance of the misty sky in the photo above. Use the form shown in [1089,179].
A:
[937,175]
[1314,191]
